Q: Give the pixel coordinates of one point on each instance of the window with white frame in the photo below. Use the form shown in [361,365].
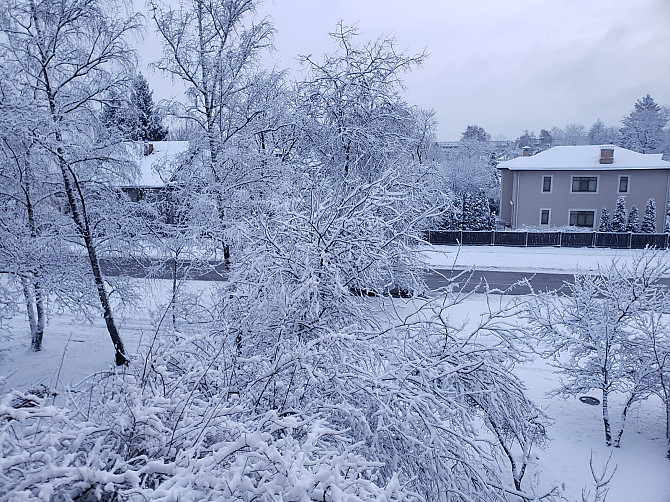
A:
[545,215]
[585,184]
[582,218]
[623,184]
[546,184]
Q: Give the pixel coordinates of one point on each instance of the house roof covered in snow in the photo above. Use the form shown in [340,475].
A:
[586,158]
[156,169]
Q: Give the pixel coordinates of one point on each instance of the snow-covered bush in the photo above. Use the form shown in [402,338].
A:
[162,436]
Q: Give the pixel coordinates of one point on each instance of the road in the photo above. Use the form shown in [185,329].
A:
[512,283]
[497,280]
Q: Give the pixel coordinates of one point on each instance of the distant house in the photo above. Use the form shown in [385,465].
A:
[153,180]
[569,185]
[156,164]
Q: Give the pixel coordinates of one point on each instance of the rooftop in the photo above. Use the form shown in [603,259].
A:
[155,169]
[585,158]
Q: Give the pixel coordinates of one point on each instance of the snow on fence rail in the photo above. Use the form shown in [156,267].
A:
[617,240]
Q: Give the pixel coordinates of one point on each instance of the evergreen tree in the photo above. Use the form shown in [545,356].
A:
[633,224]
[526,139]
[492,221]
[642,130]
[482,213]
[619,219]
[114,113]
[136,116]
[147,124]
[605,223]
[468,212]
[649,220]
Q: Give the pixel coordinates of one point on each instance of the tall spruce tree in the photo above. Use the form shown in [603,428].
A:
[114,113]
[605,222]
[619,219]
[633,224]
[649,220]
[147,122]
[134,115]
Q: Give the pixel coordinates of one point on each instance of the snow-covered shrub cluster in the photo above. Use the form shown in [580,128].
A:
[166,435]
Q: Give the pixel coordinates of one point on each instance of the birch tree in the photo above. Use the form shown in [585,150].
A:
[213,47]
[69,55]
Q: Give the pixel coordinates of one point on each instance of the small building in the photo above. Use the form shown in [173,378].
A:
[153,182]
[569,185]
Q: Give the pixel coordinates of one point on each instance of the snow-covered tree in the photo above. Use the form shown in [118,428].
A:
[593,333]
[481,212]
[605,223]
[619,218]
[114,113]
[633,223]
[146,122]
[642,130]
[600,134]
[359,202]
[69,56]
[574,134]
[649,219]
[472,166]
[214,47]
[545,139]
[656,334]
[466,218]
[476,133]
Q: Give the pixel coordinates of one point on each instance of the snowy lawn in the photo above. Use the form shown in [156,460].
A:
[74,349]
[520,259]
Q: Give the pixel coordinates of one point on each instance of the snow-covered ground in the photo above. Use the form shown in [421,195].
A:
[520,259]
[74,349]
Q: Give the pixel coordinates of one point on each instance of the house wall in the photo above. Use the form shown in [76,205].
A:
[530,200]
[506,195]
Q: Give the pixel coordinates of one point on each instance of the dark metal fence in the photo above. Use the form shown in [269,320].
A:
[480,238]
[618,240]
[612,240]
[640,241]
[510,238]
[544,238]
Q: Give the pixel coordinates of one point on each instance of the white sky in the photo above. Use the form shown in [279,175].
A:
[505,65]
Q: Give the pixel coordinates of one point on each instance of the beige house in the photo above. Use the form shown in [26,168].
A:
[569,185]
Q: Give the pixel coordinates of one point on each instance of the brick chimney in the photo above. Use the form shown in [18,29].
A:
[526,151]
[606,155]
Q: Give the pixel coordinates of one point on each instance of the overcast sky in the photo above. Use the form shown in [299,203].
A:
[504,65]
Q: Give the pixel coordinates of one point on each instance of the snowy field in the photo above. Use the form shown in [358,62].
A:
[520,259]
[75,349]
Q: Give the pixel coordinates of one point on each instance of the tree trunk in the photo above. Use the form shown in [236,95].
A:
[606,418]
[624,413]
[32,288]
[30,310]
[81,220]
[41,316]
[174,290]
